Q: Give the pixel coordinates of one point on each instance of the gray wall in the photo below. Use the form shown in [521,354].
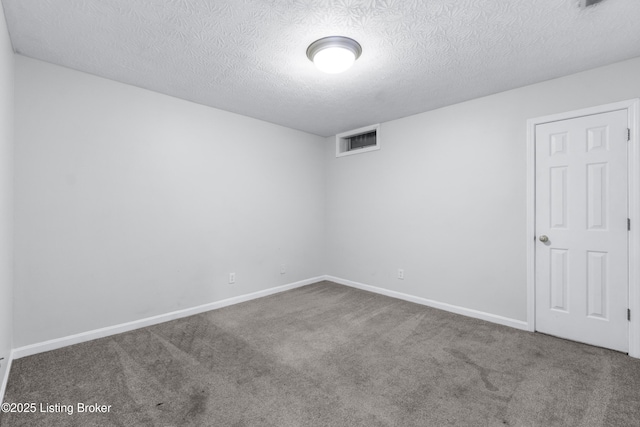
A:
[131,204]
[445,197]
[6,196]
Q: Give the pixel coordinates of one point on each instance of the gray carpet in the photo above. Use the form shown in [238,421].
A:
[329,355]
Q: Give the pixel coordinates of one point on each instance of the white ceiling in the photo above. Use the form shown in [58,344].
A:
[248,56]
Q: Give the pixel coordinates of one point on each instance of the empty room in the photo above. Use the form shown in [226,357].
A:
[319,213]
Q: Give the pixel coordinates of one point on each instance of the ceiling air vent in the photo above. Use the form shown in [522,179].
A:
[358,141]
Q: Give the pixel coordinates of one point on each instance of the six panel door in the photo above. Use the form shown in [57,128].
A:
[581,229]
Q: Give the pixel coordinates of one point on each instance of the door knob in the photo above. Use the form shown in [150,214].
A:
[544,239]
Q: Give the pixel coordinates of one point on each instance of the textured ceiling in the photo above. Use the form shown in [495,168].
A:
[248,56]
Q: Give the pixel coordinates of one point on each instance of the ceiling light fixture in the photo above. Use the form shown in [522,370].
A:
[334,54]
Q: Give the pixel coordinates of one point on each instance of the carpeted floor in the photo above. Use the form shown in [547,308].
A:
[329,355]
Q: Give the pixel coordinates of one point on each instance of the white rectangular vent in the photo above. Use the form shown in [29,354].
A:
[358,141]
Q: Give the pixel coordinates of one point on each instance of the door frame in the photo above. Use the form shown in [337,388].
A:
[633,110]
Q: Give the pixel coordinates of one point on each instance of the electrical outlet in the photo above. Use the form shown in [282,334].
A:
[400,274]
[283,269]
[232,278]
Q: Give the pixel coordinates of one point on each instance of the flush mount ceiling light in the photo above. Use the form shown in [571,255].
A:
[334,54]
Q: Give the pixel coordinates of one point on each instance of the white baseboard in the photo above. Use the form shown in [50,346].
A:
[4,375]
[518,324]
[54,344]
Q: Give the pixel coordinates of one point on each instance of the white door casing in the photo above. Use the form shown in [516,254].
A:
[581,190]
[581,210]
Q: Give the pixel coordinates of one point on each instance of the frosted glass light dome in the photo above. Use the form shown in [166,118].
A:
[334,54]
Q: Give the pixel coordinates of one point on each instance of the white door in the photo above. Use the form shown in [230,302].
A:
[581,229]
